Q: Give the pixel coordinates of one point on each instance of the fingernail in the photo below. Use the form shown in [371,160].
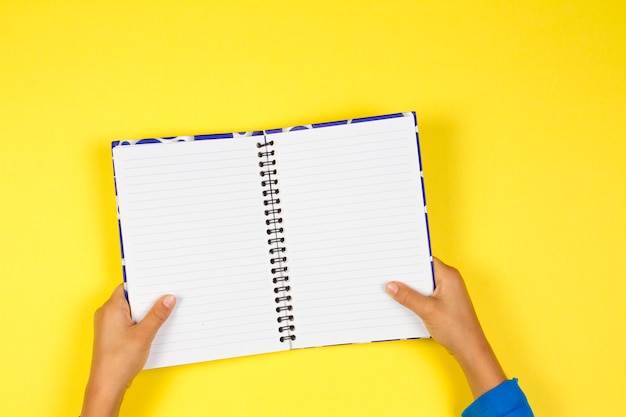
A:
[392,288]
[169,301]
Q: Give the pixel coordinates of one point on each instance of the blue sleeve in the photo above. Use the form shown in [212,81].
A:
[505,400]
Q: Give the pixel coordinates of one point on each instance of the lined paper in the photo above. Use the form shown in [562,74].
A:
[353,211]
[193,225]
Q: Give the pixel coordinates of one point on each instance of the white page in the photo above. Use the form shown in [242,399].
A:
[193,225]
[353,211]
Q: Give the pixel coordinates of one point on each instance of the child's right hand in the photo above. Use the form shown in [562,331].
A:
[451,320]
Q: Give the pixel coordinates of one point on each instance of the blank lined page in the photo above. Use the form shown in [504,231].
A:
[192,225]
[354,219]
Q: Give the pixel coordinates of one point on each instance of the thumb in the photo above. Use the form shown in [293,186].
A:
[408,297]
[157,315]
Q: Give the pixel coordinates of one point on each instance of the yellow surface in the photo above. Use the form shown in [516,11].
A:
[522,113]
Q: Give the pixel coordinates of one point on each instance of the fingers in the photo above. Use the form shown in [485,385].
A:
[157,315]
[413,300]
[448,277]
[118,293]
[117,297]
[408,297]
[438,263]
[439,268]
[115,304]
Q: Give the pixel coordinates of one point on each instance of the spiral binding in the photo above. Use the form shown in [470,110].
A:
[276,241]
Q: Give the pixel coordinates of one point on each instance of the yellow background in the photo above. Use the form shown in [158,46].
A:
[522,113]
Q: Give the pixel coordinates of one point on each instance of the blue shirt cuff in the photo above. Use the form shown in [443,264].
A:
[505,400]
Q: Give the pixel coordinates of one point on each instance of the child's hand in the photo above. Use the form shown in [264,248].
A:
[120,351]
[451,320]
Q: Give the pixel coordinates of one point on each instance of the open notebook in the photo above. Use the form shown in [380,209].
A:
[274,240]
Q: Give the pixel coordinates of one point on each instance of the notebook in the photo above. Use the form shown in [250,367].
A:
[274,240]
